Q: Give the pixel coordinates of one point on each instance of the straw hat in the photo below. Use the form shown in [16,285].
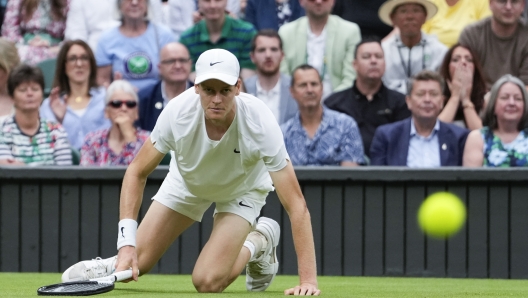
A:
[388,7]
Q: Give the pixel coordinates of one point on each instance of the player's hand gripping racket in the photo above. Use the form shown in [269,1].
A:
[85,288]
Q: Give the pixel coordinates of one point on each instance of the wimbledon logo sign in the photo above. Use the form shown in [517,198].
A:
[138,65]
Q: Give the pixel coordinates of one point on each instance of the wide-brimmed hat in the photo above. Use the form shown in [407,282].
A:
[388,7]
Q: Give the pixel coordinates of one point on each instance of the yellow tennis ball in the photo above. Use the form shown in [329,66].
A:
[441,215]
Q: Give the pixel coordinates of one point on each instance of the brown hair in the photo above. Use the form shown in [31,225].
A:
[266,33]
[23,74]
[61,80]
[479,83]
[425,75]
[303,67]
[28,7]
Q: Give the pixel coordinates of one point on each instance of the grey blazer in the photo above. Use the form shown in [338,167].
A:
[287,106]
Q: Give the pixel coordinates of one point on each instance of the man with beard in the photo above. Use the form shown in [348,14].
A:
[269,85]
[501,41]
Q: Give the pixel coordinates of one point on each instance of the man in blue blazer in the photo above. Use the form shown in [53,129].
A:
[174,68]
[421,141]
[269,85]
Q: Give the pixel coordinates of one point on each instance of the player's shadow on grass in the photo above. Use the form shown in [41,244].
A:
[145,291]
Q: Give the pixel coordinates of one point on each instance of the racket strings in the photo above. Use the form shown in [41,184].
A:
[83,287]
[78,287]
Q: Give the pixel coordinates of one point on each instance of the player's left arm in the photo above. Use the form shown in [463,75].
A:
[292,199]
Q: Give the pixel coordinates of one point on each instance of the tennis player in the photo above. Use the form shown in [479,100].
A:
[226,148]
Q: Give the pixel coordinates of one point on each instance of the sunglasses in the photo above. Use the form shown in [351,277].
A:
[119,103]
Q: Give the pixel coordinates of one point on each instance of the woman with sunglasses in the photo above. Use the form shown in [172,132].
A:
[76,101]
[119,144]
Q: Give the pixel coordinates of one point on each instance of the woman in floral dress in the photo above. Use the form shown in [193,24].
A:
[503,141]
[119,144]
[36,26]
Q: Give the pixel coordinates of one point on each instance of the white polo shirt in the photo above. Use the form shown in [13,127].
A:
[226,169]
[271,98]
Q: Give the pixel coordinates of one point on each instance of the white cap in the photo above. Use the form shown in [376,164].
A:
[217,64]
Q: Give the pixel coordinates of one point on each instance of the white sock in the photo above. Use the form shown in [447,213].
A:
[251,248]
[259,243]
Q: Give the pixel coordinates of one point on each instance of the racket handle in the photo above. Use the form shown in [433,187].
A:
[123,275]
[116,276]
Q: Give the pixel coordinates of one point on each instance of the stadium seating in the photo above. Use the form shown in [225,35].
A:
[48,70]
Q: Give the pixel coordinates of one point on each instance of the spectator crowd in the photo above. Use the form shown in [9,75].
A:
[416,83]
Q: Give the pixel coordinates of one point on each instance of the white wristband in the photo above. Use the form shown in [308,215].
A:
[127,233]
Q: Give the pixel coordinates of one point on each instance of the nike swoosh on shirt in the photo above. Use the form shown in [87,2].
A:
[244,205]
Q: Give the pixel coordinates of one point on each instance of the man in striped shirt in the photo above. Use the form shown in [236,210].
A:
[219,30]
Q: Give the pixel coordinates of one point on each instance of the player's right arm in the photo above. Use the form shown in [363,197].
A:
[147,159]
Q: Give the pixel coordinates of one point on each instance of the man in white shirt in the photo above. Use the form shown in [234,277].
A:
[227,149]
[324,41]
[411,50]
[269,85]
[86,20]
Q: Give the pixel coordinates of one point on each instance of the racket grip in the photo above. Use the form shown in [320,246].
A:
[123,275]
[116,276]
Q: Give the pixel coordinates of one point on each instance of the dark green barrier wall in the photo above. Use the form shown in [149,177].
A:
[364,221]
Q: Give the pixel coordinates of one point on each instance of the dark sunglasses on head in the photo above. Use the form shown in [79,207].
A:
[118,103]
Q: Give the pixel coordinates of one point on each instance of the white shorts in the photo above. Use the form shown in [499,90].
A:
[247,206]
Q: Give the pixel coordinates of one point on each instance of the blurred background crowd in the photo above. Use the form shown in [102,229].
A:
[417,83]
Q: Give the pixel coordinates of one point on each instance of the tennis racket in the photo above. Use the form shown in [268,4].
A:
[85,288]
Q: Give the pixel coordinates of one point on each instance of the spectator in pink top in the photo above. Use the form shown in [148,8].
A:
[119,144]
[36,26]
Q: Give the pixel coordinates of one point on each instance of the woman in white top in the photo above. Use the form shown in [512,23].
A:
[8,60]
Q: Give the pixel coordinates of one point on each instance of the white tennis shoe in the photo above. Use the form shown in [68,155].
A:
[86,270]
[262,268]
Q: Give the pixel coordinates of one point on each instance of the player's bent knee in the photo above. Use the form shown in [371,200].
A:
[209,284]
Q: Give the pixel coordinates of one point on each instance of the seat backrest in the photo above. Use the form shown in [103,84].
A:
[76,156]
[48,70]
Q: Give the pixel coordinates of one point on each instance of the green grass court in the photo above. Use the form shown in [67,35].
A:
[26,285]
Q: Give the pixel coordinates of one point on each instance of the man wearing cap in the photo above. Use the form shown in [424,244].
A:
[227,149]
[411,50]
